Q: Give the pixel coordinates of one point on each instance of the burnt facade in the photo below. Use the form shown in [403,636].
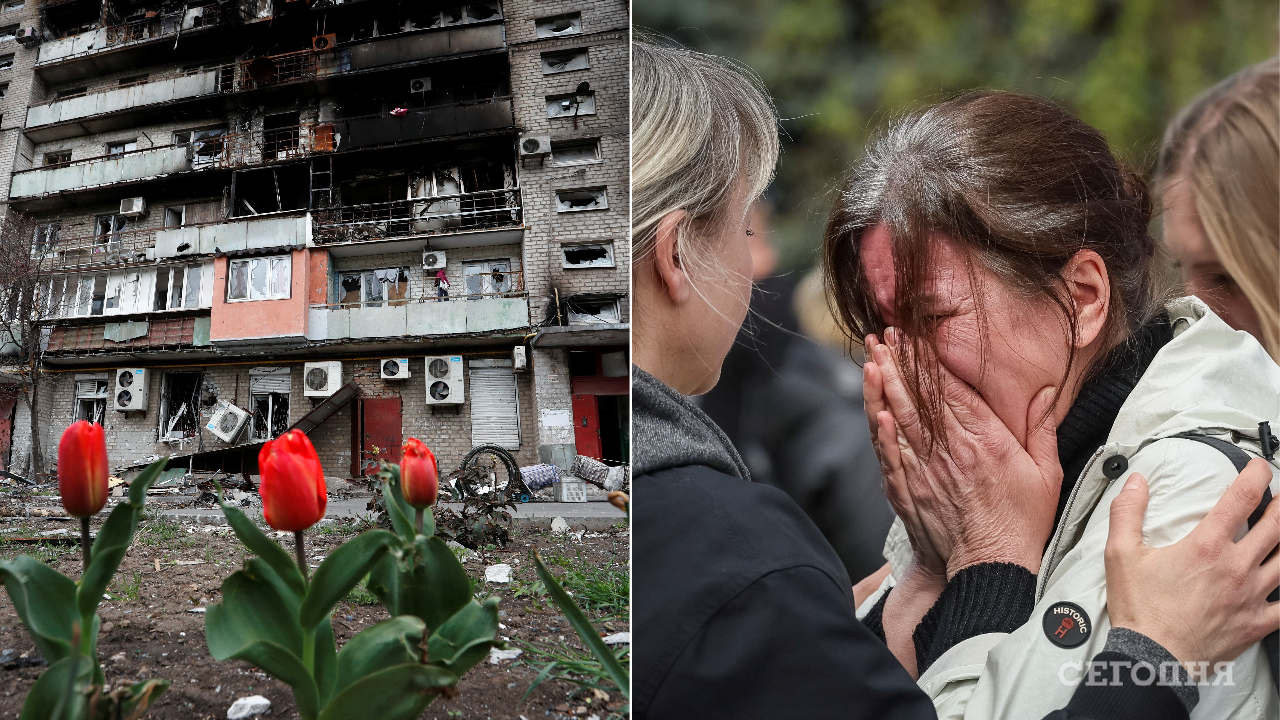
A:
[370,219]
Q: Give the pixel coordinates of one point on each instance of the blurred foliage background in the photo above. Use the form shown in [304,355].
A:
[837,69]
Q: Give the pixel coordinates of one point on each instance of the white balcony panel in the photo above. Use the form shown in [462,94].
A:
[62,48]
[120,99]
[241,234]
[97,173]
[453,317]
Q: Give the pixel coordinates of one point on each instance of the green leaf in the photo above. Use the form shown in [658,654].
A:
[266,548]
[59,693]
[138,488]
[389,643]
[440,586]
[284,666]
[345,567]
[108,552]
[46,602]
[584,628]
[255,607]
[326,661]
[384,583]
[396,508]
[464,639]
[396,693]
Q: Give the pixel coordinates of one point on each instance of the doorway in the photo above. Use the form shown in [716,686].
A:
[377,425]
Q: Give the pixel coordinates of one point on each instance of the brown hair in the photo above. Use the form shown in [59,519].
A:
[1225,144]
[1022,185]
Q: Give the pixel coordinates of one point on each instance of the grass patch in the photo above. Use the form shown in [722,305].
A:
[158,530]
[604,589]
[128,590]
[562,661]
[360,594]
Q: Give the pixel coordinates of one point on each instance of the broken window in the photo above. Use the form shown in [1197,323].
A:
[179,405]
[584,199]
[121,147]
[564,61]
[207,143]
[8,32]
[57,157]
[271,190]
[14,5]
[133,80]
[4,90]
[280,135]
[107,227]
[91,400]
[487,277]
[575,152]
[175,217]
[482,11]
[71,92]
[178,287]
[582,363]
[269,401]
[587,255]
[370,288]
[558,25]
[266,278]
[46,238]
[571,105]
[56,302]
[6,62]
[592,310]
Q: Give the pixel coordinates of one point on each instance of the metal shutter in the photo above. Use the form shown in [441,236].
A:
[495,409]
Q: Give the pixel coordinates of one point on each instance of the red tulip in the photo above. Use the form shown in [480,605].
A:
[82,469]
[419,476]
[292,488]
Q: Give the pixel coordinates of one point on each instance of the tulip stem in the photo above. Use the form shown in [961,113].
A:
[418,520]
[84,542]
[300,549]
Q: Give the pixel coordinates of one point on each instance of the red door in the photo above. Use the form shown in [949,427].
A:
[586,426]
[381,426]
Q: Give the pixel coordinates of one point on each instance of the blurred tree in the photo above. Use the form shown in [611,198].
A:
[838,69]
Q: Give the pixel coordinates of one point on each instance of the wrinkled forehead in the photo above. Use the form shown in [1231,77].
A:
[945,273]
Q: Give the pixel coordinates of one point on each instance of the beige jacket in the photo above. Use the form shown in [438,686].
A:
[1210,379]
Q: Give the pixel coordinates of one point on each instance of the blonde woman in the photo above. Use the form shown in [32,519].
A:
[741,608]
[1219,182]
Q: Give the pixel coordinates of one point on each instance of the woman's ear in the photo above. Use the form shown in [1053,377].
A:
[1090,287]
[666,256]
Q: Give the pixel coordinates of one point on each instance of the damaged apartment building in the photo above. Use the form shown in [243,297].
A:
[370,219]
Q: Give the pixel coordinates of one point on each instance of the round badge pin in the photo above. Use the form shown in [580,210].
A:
[1066,624]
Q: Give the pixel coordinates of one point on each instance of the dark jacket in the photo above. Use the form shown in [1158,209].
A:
[742,610]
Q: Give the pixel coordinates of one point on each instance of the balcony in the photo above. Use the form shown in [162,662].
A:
[438,121]
[487,217]
[127,34]
[145,164]
[117,248]
[419,317]
[273,145]
[271,231]
[157,91]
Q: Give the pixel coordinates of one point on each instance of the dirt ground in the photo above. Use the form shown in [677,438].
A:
[149,629]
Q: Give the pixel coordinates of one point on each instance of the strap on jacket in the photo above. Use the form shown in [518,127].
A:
[1240,458]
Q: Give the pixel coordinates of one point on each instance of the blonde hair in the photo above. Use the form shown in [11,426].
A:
[1226,144]
[701,124]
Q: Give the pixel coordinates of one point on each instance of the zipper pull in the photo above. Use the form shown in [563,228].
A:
[1268,441]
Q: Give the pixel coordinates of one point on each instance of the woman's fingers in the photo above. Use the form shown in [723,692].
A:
[1270,576]
[897,398]
[873,398]
[1127,512]
[1237,504]
[1042,435]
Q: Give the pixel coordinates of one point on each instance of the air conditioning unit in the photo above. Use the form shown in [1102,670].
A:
[433,260]
[422,84]
[28,36]
[320,43]
[535,146]
[520,358]
[445,384]
[131,389]
[227,421]
[395,369]
[133,207]
[321,379]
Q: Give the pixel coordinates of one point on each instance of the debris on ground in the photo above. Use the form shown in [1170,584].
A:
[247,707]
[496,656]
[500,573]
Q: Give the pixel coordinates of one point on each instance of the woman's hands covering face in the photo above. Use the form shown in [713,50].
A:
[980,497]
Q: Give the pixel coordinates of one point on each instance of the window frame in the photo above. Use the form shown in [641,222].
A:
[565,208]
[593,143]
[124,144]
[609,249]
[271,261]
[365,275]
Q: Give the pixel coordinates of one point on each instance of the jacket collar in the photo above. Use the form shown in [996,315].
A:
[670,431]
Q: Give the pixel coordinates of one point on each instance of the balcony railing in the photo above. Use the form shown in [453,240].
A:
[117,248]
[286,143]
[140,164]
[483,210]
[507,308]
